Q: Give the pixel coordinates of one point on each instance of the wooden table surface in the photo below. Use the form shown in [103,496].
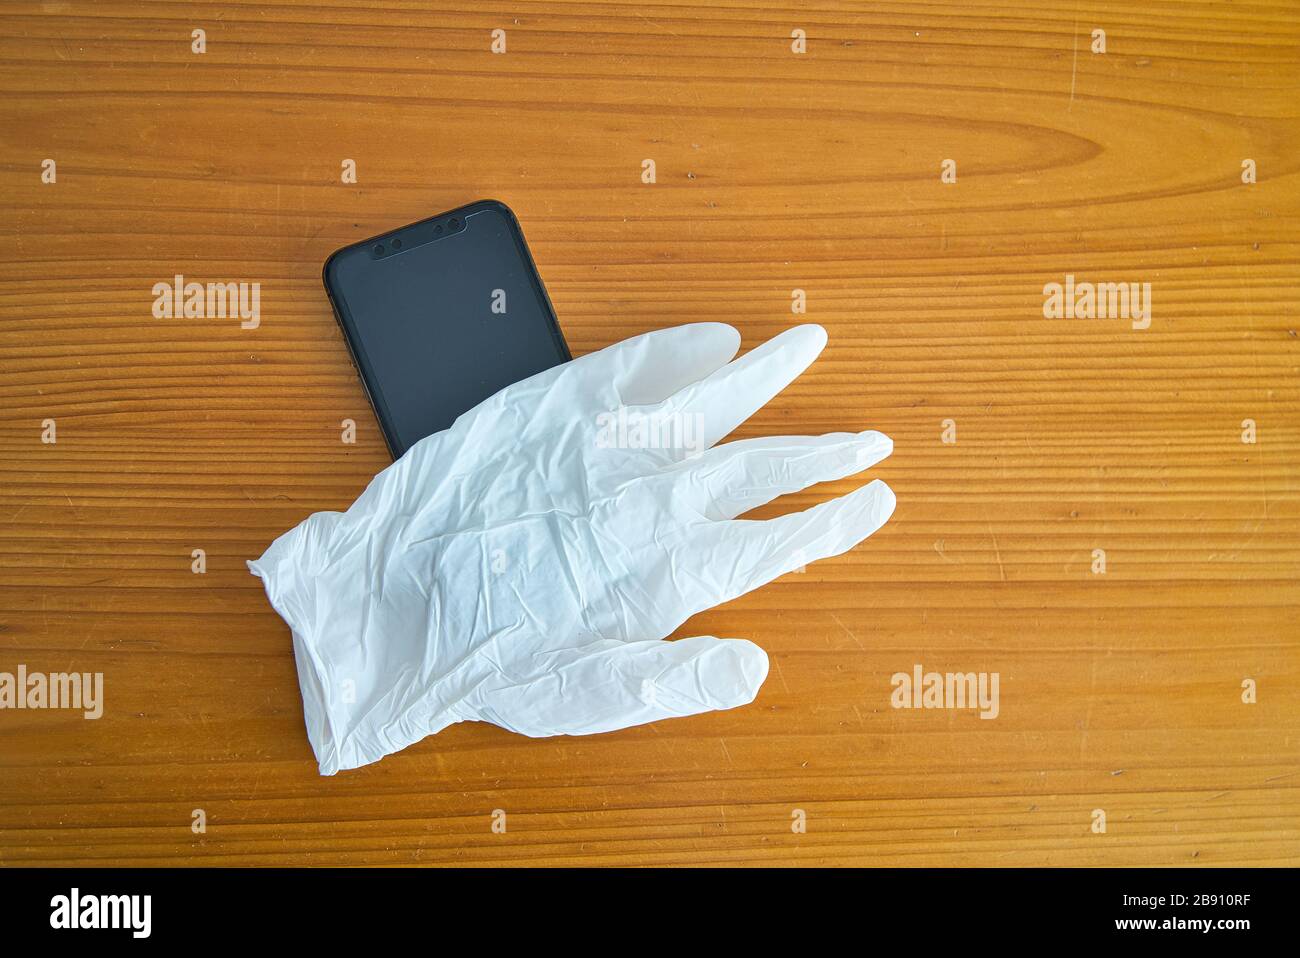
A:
[1121,692]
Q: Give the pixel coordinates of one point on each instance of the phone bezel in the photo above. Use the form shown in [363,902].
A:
[348,324]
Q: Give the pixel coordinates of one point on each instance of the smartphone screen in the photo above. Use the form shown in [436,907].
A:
[440,315]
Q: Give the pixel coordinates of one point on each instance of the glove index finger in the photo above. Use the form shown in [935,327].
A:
[737,556]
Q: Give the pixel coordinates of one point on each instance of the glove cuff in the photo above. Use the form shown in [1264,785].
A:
[293,595]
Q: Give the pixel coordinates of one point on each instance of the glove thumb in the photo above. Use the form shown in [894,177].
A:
[612,685]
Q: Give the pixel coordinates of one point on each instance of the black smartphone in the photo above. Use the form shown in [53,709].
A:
[441,314]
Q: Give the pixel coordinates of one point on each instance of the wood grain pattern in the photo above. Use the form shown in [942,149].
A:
[775,171]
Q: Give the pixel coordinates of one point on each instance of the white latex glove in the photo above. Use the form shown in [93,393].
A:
[523,566]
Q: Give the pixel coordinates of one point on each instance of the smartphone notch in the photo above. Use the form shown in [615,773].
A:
[417,235]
